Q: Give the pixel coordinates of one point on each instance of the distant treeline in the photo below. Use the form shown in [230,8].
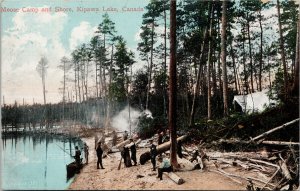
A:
[38,115]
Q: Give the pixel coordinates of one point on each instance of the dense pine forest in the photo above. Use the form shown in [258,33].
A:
[222,49]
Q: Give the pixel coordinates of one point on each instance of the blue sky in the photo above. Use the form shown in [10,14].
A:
[27,36]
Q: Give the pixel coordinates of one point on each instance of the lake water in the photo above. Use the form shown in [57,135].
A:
[36,161]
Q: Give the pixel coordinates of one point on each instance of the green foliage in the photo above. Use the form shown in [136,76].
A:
[147,126]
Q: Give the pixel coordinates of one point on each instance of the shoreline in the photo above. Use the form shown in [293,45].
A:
[141,177]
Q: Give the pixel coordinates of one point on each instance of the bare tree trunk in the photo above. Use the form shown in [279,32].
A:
[246,86]
[44,88]
[295,88]
[209,63]
[75,85]
[173,84]
[250,57]
[151,65]
[281,43]
[86,80]
[165,61]
[198,74]
[97,87]
[214,77]
[223,56]
[234,67]
[78,83]
[261,52]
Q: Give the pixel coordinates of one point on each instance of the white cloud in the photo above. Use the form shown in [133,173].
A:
[81,34]
[31,37]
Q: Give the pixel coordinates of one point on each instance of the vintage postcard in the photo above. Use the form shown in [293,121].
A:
[149,94]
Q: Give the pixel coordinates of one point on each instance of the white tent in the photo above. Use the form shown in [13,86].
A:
[254,102]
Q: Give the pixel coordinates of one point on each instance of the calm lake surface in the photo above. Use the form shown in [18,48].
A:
[36,161]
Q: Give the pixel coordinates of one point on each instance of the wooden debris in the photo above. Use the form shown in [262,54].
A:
[160,149]
[270,179]
[226,175]
[285,171]
[274,129]
[122,144]
[174,177]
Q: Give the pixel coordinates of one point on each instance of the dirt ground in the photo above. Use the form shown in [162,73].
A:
[111,178]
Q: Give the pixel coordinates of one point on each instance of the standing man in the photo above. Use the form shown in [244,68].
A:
[153,153]
[77,156]
[99,152]
[126,156]
[179,149]
[133,151]
[165,166]
[96,140]
[125,135]
[160,137]
[114,138]
[86,153]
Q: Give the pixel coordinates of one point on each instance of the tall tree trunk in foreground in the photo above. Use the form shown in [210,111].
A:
[172,84]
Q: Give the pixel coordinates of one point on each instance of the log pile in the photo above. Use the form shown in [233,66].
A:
[276,167]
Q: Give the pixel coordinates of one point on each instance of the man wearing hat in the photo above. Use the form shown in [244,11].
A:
[99,152]
[86,152]
[165,166]
[77,155]
[133,151]
[125,135]
[153,153]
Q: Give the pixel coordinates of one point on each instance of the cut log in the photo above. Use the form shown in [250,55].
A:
[160,149]
[280,143]
[122,144]
[274,129]
[174,177]
[285,171]
[138,141]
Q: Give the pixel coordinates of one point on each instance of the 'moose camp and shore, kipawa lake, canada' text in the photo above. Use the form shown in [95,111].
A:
[70,9]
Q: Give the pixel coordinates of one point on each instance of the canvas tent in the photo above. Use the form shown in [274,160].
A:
[254,102]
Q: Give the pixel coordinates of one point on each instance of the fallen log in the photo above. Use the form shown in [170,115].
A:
[122,144]
[280,143]
[174,177]
[274,129]
[160,149]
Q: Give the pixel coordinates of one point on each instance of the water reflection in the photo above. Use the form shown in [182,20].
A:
[36,161]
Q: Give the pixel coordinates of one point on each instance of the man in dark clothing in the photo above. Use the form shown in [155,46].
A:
[133,151]
[160,137]
[99,152]
[125,135]
[114,138]
[195,155]
[165,137]
[153,153]
[179,149]
[126,156]
[77,156]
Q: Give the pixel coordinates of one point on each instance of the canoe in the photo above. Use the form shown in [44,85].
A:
[73,168]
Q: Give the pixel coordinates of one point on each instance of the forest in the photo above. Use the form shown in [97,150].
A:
[222,50]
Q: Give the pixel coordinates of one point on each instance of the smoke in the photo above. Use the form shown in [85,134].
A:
[122,122]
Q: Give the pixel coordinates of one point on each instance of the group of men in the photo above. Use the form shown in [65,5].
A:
[127,156]
[165,165]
